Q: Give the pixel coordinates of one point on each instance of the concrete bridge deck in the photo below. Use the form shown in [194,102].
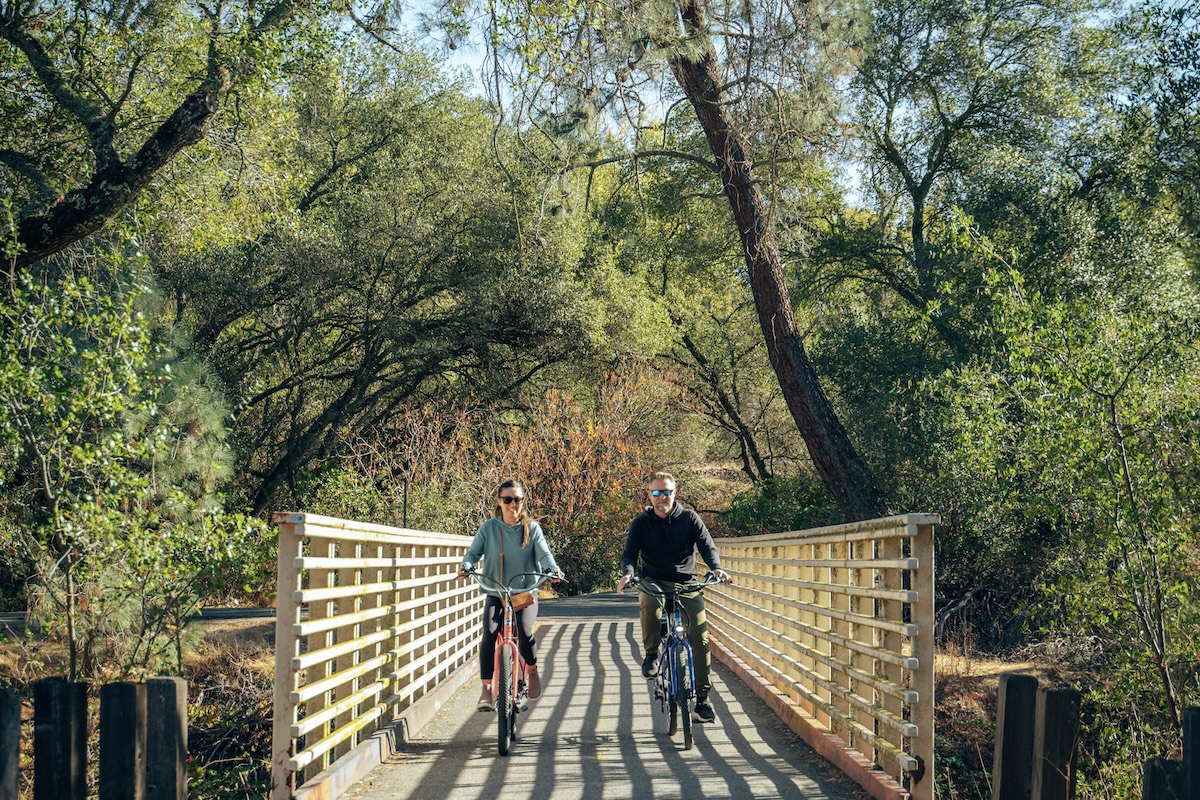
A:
[590,736]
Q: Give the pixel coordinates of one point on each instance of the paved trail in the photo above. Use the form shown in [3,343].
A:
[589,736]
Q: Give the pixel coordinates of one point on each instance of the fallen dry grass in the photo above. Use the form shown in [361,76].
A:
[966,687]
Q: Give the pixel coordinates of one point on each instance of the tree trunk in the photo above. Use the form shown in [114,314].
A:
[832,453]
[72,629]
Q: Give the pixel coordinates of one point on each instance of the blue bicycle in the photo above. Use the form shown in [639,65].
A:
[675,683]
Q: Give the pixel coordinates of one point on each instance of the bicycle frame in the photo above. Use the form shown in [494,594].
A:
[509,668]
[675,683]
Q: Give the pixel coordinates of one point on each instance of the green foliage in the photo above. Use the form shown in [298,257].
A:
[1085,421]
[106,95]
[788,503]
[108,491]
[392,260]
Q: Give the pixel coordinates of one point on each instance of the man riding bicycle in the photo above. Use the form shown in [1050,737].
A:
[666,537]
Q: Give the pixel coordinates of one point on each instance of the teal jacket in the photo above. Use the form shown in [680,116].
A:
[535,557]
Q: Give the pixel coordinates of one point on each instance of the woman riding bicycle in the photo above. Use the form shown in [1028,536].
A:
[666,536]
[509,543]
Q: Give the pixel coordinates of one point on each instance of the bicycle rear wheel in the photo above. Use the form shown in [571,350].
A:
[505,710]
[683,685]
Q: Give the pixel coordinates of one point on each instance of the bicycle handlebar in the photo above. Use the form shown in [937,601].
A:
[710,579]
[509,591]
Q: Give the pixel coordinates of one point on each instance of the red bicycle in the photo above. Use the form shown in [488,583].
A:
[508,675]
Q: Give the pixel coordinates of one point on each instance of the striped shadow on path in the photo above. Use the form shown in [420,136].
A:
[590,736]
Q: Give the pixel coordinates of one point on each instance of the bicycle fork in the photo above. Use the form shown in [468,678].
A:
[671,643]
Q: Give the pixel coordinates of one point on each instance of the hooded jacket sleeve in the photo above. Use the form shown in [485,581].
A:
[475,551]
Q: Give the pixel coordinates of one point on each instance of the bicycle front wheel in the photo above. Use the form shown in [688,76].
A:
[505,710]
[659,704]
[683,685]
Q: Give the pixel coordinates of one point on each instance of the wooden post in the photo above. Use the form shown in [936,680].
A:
[1162,779]
[287,647]
[1191,753]
[1012,765]
[59,739]
[123,741]
[1055,740]
[10,743]
[166,739]
[922,615]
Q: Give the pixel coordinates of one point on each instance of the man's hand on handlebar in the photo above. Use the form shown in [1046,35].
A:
[624,582]
[723,576]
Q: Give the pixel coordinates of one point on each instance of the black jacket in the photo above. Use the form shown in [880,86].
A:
[667,547]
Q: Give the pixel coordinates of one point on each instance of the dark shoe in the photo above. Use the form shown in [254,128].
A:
[535,683]
[522,701]
[650,665]
[703,712]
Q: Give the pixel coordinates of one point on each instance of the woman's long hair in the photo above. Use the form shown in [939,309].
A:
[522,510]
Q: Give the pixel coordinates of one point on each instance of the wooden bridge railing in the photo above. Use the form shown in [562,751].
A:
[369,620]
[834,628]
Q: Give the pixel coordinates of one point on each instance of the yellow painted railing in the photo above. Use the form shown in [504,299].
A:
[834,627]
[369,620]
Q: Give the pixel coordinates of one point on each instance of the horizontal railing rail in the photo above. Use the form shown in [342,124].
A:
[838,621]
[369,620]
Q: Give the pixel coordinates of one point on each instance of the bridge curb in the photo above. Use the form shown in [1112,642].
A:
[386,742]
[878,783]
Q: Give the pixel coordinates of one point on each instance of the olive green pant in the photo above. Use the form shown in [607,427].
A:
[694,618]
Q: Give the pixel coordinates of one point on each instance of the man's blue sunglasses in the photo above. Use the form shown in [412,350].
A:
[657,492]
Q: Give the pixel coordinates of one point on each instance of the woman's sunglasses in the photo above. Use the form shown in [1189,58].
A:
[507,500]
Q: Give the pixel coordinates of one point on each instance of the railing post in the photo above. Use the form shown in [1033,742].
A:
[1162,779]
[923,747]
[1055,743]
[1012,765]
[166,739]
[1191,753]
[123,741]
[287,647]
[59,739]
[10,743]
